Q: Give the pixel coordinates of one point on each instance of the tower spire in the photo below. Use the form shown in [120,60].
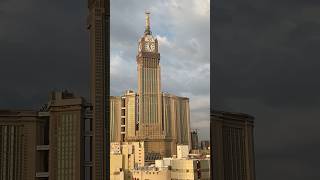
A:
[147,30]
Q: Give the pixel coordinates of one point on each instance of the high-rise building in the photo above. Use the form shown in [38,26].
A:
[149,86]
[117,122]
[205,145]
[194,140]
[98,25]
[232,146]
[159,119]
[53,143]
[22,141]
[69,121]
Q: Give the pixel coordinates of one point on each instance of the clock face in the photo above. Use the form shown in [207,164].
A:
[149,47]
[146,47]
[152,47]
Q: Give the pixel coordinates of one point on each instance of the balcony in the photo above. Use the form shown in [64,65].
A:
[43,147]
[42,174]
[44,114]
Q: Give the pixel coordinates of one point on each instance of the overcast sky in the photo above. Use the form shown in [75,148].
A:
[184,47]
[266,63]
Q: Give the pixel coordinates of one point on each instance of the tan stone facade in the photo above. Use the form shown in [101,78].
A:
[67,117]
[116,167]
[20,134]
[190,169]
[154,174]
[175,169]
[131,155]
[232,146]
[53,143]
[115,119]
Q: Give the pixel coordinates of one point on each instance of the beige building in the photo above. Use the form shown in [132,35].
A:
[190,169]
[22,136]
[116,121]
[53,143]
[66,135]
[159,119]
[182,151]
[232,146]
[152,174]
[131,155]
[174,169]
[116,167]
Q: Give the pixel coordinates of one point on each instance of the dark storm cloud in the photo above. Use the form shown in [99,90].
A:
[266,62]
[43,46]
[279,44]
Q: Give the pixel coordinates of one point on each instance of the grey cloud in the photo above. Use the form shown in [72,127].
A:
[44,46]
[266,64]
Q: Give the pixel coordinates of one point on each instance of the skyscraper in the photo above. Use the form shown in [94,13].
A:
[232,146]
[47,144]
[98,25]
[194,140]
[160,120]
[22,135]
[149,86]
[69,121]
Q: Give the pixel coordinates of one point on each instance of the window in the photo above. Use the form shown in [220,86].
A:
[87,125]
[87,148]
[87,173]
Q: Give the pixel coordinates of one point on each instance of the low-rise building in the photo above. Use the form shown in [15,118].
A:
[152,173]
[190,169]
[182,151]
[116,167]
[124,157]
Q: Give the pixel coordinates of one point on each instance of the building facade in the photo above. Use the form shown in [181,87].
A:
[53,143]
[131,155]
[190,169]
[194,140]
[232,146]
[160,120]
[68,116]
[98,26]
[116,121]
[151,173]
[205,145]
[22,134]
[175,169]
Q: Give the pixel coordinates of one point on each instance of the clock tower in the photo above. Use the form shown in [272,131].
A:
[149,85]
[159,120]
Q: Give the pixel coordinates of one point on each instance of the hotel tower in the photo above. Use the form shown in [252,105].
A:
[160,120]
